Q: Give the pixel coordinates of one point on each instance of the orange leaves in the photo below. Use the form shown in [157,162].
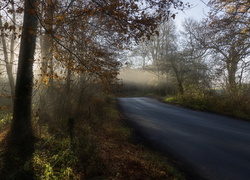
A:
[4,107]
[90,33]
[245,30]
[59,37]
[235,12]
[46,80]
[56,55]
[60,18]
[233,6]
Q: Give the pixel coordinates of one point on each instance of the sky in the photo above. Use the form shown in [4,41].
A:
[197,11]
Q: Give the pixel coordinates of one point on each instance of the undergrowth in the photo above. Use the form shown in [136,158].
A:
[100,146]
[5,117]
[235,104]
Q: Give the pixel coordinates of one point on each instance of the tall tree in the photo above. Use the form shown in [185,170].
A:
[229,35]
[20,139]
[226,43]
[195,54]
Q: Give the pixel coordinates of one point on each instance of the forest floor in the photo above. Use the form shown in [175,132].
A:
[103,148]
[3,133]
[128,159]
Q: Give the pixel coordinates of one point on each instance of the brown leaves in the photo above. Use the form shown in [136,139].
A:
[173,16]
[90,34]
[7,27]
[126,160]
[236,13]
[60,18]
[31,11]
[19,10]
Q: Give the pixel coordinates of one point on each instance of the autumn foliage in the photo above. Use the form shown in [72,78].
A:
[71,49]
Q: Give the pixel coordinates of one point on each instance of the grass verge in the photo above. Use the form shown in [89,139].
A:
[236,105]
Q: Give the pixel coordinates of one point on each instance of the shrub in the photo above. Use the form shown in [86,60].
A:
[235,104]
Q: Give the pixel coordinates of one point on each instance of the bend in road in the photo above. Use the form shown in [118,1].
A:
[217,147]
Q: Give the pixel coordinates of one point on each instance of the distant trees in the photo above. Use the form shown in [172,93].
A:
[172,59]
[215,47]
[225,36]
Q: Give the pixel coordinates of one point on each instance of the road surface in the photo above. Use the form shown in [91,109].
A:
[214,146]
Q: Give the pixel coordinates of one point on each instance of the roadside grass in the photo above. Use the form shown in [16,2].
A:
[102,147]
[5,119]
[128,160]
[236,105]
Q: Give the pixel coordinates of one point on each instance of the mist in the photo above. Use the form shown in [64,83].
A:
[139,82]
[137,76]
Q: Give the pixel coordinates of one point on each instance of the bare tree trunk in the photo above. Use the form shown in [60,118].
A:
[46,44]
[177,72]
[180,85]
[20,138]
[232,67]
[46,39]
[12,53]
[9,63]
[68,81]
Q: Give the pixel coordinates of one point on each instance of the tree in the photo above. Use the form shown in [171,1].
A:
[9,60]
[20,139]
[158,47]
[104,28]
[226,43]
[91,50]
[232,32]
[195,55]
[178,62]
[46,41]
[235,11]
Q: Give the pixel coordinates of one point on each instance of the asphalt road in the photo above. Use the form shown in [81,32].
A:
[213,146]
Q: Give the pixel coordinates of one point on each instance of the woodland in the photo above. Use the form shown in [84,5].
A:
[62,64]
[205,65]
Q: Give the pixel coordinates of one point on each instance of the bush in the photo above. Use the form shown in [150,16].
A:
[5,118]
[235,104]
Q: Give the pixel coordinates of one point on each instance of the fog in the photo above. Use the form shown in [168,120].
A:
[137,76]
[139,82]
